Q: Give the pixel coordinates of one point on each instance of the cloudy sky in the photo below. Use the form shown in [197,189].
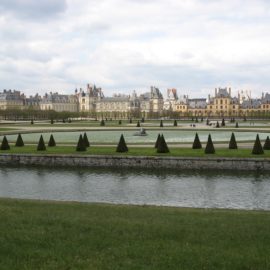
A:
[121,45]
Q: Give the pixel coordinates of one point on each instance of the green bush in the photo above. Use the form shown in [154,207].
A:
[257,148]
[157,141]
[122,147]
[85,139]
[130,120]
[266,145]
[162,145]
[52,122]
[41,145]
[196,144]
[119,122]
[51,142]
[102,123]
[142,120]
[236,125]
[32,122]
[217,125]
[138,124]
[80,145]
[175,123]
[19,142]
[209,149]
[223,122]
[161,123]
[233,143]
[5,145]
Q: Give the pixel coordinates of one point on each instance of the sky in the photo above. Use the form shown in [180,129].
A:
[122,45]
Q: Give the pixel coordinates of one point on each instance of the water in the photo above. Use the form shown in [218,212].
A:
[172,136]
[236,190]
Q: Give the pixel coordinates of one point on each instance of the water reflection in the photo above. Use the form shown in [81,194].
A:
[149,186]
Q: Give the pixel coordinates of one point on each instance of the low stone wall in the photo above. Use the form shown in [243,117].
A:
[180,163]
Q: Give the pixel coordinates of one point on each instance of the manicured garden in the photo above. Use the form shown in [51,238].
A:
[56,235]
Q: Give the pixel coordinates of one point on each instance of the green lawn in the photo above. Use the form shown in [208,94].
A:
[56,235]
[136,151]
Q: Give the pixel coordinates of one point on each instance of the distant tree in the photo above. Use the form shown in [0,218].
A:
[130,120]
[192,118]
[236,125]
[217,125]
[32,122]
[41,145]
[119,122]
[80,145]
[209,149]
[196,120]
[233,143]
[64,121]
[257,148]
[157,141]
[223,122]
[161,123]
[245,118]
[267,144]
[162,145]
[196,144]
[142,120]
[5,145]
[19,142]
[207,122]
[138,124]
[122,147]
[175,123]
[202,119]
[102,123]
[85,139]
[51,142]
[69,120]
[52,121]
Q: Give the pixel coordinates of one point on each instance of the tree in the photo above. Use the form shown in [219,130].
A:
[80,145]
[138,124]
[32,122]
[257,148]
[207,122]
[217,125]
[130,121]
[161,123]
[52,122]
[162,145]
[267,144]
[85,139]
[41,145]
[233,143]
[236,125]
[196,144]
[122,147]
[102,123]
[142,120]
[51,142]
[223,122]
[209,149]
[175,123]
[196,120]
[5,145]
[19,142]
[157,141]
[119,122]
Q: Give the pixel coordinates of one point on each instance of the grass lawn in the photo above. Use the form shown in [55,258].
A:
[135,151]
[57,235]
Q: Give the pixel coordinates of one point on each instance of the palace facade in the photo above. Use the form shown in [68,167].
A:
[150,104]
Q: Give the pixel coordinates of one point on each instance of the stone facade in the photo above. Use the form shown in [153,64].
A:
[12,100]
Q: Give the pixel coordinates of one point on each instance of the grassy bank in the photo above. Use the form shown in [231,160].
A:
[46,235]
[136,151]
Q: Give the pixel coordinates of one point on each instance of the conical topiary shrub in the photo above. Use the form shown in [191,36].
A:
[162,145]
[138,124]
[175,123]
[80,145]
[142,120]
[161,123]
[217,125]
[157,141]
[52,122]
[196,144]
[5,145]
[233,143]
[209,149]
[130,121]
[122,147]
[196,120]
[223,122]
[85,139]
[236,125]
[32,122]
[19,142]
[51,142]
[266,145]
[41,145]
[102,123]
[119,122]
[257,148]
[207,122]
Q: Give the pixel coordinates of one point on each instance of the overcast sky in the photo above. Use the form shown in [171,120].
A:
[121,45]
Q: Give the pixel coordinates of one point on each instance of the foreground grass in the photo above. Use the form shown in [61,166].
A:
[135,151]
[47,235]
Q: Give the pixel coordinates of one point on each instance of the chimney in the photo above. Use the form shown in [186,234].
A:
[215,92]
[230,91]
